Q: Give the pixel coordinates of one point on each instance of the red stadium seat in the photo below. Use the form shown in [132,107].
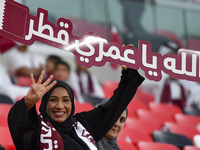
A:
[147,126]
[80,107]
[191,148]
[10,147]
[24,81]
[145,97]
[193,121]
[5,137]
[134,135]
[125,145]
[158,118]
[4,109]
[109,87]
[165,108]
[38,106]
[143,145]
[3,121]
[134,105]
[181,129]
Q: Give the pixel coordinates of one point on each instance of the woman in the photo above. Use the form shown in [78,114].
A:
[109,141]
[57,127]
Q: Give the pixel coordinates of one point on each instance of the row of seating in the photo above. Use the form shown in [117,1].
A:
[145,118]
[144,145]
[5,137]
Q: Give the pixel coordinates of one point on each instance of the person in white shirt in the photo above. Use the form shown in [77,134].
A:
[86,84]
[21,62]
[8,88]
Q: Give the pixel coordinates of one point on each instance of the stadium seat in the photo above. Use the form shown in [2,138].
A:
[5,137]
[125,145]
[143,145]
[175,139]
[165,108]
[145,97]
[4,109]
[108,87]
[147,126]
[181,129]
[79,107]
[38,106]
[24,81]
[134,105]
[191,148]
[10,147]
[193,121]
[134,135]
[3,121]
[158,118]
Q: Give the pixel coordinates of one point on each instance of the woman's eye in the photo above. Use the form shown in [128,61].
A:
[52,100]
[66,100]
[122,120]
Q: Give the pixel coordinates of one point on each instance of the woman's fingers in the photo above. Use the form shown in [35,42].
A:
[130,45]
[32,78]
[124,67]
[123,45]
[48,81]
[41,77]
[50,86]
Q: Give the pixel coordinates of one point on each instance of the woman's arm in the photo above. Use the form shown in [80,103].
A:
[22,118]
[102,118]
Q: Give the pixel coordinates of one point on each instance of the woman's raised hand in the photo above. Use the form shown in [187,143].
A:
[124,66]
[37,90]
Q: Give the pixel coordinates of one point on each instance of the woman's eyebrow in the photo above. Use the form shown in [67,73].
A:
[66,96]
[53,96]
[123,117]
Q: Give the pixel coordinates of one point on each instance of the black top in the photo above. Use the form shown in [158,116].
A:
[25,126]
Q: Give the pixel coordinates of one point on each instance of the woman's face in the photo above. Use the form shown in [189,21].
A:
[59,105]
[118,126]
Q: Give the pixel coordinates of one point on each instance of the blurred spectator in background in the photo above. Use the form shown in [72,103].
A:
[8,88]
[21,62]
[50,65]
[168,48]
[156,88]
[86,84]
[133,28]
[192,89]
[174,93]
[62,72]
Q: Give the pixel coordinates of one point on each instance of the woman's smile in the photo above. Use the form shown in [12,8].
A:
[59,105]
[59,113]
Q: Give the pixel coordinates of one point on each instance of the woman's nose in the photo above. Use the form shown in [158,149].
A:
[59,105]
[117,123]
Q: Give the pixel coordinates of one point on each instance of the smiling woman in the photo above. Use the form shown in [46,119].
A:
[57,127]
[109,141]
[59,105]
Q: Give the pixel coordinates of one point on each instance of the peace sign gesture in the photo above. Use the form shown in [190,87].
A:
[37,90]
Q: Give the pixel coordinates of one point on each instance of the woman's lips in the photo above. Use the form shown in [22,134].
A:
[59,113]
[114,130]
